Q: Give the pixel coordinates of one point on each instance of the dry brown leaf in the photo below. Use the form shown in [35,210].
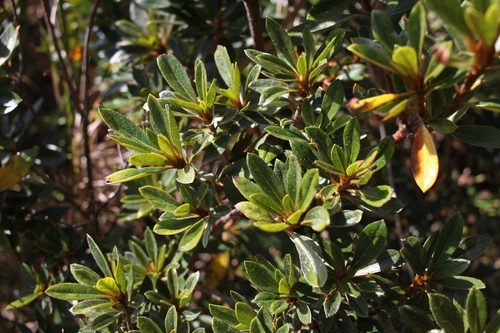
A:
[424,159]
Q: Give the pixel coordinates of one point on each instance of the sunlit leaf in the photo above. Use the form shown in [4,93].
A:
[424,159]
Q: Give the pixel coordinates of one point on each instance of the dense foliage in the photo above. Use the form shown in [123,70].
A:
[248,181]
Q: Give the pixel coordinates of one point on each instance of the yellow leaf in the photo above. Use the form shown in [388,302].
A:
[18,166]
[424,159]
[371,103]
[217,269]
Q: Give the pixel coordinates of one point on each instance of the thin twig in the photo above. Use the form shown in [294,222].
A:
[255,22]
[84,105]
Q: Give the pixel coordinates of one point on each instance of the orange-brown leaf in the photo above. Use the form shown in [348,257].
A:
[18,166]
[424,159]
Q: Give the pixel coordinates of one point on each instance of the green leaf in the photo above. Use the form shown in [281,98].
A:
[482,136]
[476,311]
[261,277]
[460,282]
[317,218]
[417,26]
[405,61]
[383,30]
[244,313]
[9,101]
[308,189]
[450,268]
[87,306]
[452,13]
[346,218]
[224,313]
[416,318]
[23,301]
[176,76]
[254,212]
[131,174]
[304,313]
[373,55]
[281,41]
[375,196]
[446,314]
[265,178]
[385,150]
[325,10]
[494,325]
[159,198]
[84,275]
[370,243]
[284,134]
[99,257]
[8,42]
[192,236]
[412,252]
[312,265]
[133,144]
[448,239]
[148,159]
[186,175]
[123,126]
[171,319]
[108,286]
[384,261]
[146,325]
[104,320]
[220,326]
[352,141]
[332,303]
[471,247]
[223,63]
[157,116]
[443,125]
[73,292]
[172,226]
[492,104]
[271,226]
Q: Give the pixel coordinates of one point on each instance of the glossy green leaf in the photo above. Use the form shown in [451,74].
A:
[123,126]
[317,218]
[450,268]
[99,257]
[352,141]
[245,314]
[23,301]
[73,291]
[131,174]
[461,282]
[494,324]
[84,275]
[133,144]
[87,306]
[447,242]
[157,116]
[171,319]
[220,326]
[8,42]
[333,99]
[159,198]
[385,260]
[471,247]
[312,265]
[446,314]
[192,236]
[373,55]
[224,313]
[416,318]
[443,125]
[477,135]
[265,178]
[385,150]
[405,61]
[254,212]
[176,76]
[383,30]
[9,101]
[451,13]
[104,320]
[281,41]
[375,196]
[308,189]
[412,252]
[108,286]
[146,325]
[332,303]
[370,243]
[148,159]
[325,10]
[476,311]
[261,277]
[492,104]
[346,218]
[417,26]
